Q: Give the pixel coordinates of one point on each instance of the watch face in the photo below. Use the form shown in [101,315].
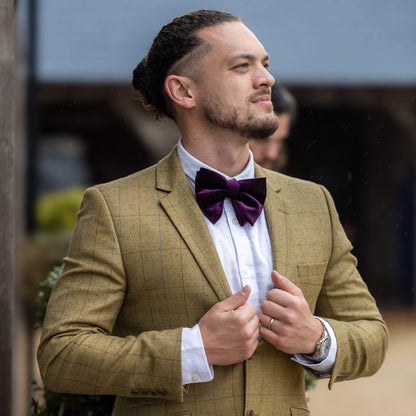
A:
[324,347]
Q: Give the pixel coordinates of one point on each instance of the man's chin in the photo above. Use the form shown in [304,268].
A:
[263,131]
[268,127]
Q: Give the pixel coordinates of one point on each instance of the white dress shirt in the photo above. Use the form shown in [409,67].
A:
[246,257]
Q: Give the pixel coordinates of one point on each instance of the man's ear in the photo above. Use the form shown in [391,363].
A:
[180,90]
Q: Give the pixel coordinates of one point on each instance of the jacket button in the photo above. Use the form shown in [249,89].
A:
[144,392]
[161,392]
[134,391]
[250,413]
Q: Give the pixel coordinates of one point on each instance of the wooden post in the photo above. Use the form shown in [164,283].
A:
[7,201]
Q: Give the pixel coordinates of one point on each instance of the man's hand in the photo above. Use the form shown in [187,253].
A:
[294,329]
[230,330]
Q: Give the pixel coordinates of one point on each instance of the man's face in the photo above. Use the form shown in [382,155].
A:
[266,151]
[234,92]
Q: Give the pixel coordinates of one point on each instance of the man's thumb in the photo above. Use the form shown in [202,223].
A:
[236,300]
[283,283]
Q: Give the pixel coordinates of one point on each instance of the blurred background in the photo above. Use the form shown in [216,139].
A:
[68,120]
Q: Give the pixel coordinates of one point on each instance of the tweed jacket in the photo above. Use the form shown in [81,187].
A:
[142,265]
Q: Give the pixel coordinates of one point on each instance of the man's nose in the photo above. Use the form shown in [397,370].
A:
[263,78]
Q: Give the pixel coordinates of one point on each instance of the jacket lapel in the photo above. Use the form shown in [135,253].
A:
[181,207]
[276,211]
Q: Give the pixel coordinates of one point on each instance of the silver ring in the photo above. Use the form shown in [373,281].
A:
[271,323]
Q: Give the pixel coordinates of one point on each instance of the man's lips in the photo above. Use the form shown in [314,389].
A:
[262,99]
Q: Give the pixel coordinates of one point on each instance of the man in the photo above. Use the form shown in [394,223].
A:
[266,151]
[170,301]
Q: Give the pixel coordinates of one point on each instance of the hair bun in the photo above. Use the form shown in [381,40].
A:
[139,75]
[140,83]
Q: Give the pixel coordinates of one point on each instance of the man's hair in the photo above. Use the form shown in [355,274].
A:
[283,101]
[177,41]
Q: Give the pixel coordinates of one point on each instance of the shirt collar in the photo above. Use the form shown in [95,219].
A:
[191,166]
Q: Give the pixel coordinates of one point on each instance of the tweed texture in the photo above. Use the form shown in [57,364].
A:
[142,265]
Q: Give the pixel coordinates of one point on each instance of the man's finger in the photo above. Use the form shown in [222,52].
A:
[270,336]
[280,297]
[253,327]
[283,283]
[247,311]
[236,300]
[273,309]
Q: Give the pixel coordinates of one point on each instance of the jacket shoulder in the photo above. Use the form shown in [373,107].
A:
[122,193]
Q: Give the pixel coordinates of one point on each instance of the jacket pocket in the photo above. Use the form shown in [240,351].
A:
[297,411]
[312,269]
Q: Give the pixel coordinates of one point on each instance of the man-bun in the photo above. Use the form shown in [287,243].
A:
[140,84]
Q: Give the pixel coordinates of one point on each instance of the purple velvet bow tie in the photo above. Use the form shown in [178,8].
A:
[247,196]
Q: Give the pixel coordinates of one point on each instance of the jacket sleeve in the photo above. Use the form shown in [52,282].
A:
[78,353]
[347,305]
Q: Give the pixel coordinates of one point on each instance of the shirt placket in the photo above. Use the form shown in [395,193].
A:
[244,256]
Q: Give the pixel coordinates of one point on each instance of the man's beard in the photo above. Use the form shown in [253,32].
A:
[252,127]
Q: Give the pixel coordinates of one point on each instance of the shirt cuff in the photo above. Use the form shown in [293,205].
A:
[195,367]
[324,366]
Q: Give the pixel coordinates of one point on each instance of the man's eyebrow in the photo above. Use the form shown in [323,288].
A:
[248,56]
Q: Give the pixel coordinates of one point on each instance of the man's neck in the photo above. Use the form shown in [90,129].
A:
[228,154]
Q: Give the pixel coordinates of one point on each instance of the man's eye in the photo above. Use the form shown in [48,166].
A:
[241,66]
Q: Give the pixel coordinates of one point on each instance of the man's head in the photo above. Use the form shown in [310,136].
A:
[176,49]
[208,69]
[265,152]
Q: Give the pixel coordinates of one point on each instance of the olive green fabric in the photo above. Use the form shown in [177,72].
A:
[142,265]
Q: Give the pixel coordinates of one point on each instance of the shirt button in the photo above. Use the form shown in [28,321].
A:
[195,377]
[246,270]
[235,221]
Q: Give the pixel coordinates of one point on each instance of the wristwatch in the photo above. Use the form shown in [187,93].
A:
[321,347]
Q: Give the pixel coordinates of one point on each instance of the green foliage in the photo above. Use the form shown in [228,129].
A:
[57,210]
[310,381]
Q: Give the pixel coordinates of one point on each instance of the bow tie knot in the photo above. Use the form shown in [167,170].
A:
[247,196]
[233,189]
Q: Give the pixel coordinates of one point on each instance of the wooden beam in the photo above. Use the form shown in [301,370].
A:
[7,200]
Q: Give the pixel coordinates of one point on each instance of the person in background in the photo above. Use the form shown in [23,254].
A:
[205,285]
[270,153]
